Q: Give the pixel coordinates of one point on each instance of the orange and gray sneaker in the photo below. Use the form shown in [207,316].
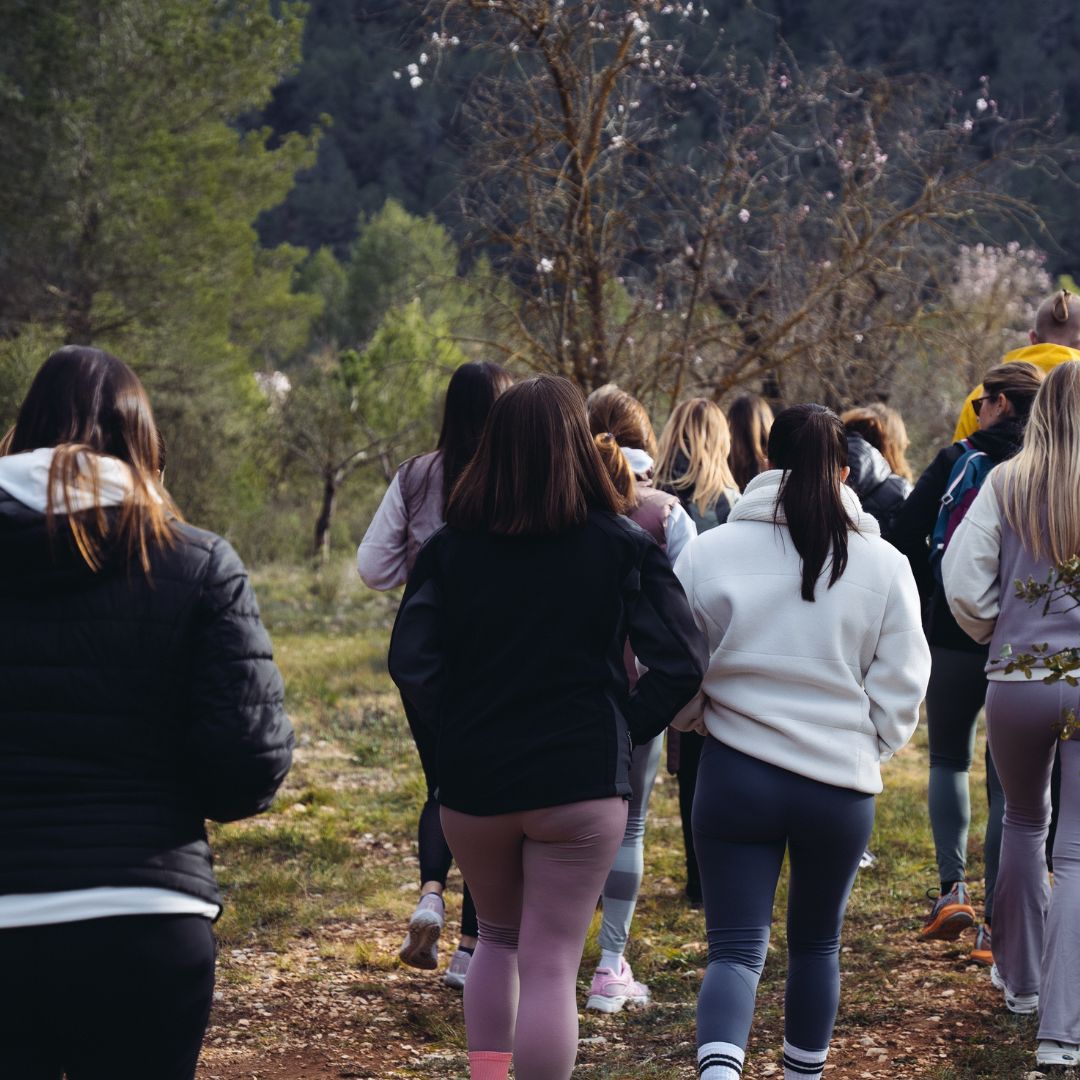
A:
[982,953]
[950,916]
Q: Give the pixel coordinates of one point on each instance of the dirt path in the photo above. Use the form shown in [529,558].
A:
[309,1015]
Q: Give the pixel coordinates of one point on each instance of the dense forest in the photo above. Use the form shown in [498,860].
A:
[295,219]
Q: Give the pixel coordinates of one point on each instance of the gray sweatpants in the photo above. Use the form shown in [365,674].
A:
[1036,930]
[624,880]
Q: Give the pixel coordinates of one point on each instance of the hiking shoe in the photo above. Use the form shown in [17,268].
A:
[1051,1052]
[982,953]
[950,916]
[610,991]
[458,969]
[1021,1004]
[420,949]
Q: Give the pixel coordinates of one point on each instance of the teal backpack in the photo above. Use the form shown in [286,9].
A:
[968,473]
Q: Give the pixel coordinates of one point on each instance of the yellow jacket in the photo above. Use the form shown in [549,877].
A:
[1043,356]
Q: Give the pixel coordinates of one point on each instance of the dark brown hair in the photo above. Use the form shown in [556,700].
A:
[810,444]
[537,469]
[84,403]
[621,414]
[470,394]
[750,420]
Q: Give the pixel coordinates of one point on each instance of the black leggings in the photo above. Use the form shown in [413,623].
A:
[125,998]
[434,852]
[690,746]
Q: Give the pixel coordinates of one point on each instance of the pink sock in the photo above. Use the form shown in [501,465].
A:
[489,1065]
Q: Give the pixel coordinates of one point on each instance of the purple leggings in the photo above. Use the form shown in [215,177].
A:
[1036,929]
[535,876]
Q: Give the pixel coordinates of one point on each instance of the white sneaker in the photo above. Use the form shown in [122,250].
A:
[420,948]
[1021,1004]
[1057,1053]
[457,969]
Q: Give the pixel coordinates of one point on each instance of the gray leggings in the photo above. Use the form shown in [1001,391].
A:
[1037,931]
[954,697]
[624,881]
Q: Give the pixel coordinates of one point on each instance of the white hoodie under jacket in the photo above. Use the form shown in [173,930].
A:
[827,689]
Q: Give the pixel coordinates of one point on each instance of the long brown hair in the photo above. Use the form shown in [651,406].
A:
[750,420]
[84,403]
[537,469]
[810,444]
[470,394]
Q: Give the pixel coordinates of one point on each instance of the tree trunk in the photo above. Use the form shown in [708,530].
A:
[331,482]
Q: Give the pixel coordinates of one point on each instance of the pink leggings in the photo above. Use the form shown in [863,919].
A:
[535,876]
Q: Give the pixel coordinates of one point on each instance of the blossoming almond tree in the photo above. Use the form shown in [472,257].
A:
[807,225]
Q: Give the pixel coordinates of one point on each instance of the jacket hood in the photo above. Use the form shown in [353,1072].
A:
[1003,440]
[869,469]
[641,464]
[1045,355]
[25,477]
[760,502]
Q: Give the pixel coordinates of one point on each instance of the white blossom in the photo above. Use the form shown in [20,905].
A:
[744,215]
[545,265]
[416,82]
[413,69]
[423,58]
[397,74]
[981,104]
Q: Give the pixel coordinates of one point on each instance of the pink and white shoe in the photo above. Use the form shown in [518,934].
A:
[610,991]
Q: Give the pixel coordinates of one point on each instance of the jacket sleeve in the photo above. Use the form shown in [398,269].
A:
[971,568]
[417,654]
[914,522]
[668,643]
[241,741]
[680,531]
[381,557]
[896,679]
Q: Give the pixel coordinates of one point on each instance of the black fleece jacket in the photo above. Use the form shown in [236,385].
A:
[511,651]
[130,711]
[914,525]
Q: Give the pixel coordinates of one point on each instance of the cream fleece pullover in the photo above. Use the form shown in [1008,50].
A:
[827,689]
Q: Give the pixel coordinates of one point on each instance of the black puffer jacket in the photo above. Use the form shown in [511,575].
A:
[881,492]
[130,711]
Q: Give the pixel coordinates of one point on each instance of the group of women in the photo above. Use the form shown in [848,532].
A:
[575,588]
[795,707]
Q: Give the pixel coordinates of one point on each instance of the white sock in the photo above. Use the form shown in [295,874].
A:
[802,1064]
[610,960]
[720,1061]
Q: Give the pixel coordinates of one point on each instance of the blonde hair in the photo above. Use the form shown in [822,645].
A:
[698,431]
[1057,321]
[1041,485]
[896,441]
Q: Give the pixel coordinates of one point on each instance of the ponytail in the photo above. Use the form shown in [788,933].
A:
[618,468]
[809,443]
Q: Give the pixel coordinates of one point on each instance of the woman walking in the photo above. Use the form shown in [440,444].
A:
[627,445]
[957,689]
[510,638]
[411,510]
[1025,523]
[139,698]
[693,464]
[818,664]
